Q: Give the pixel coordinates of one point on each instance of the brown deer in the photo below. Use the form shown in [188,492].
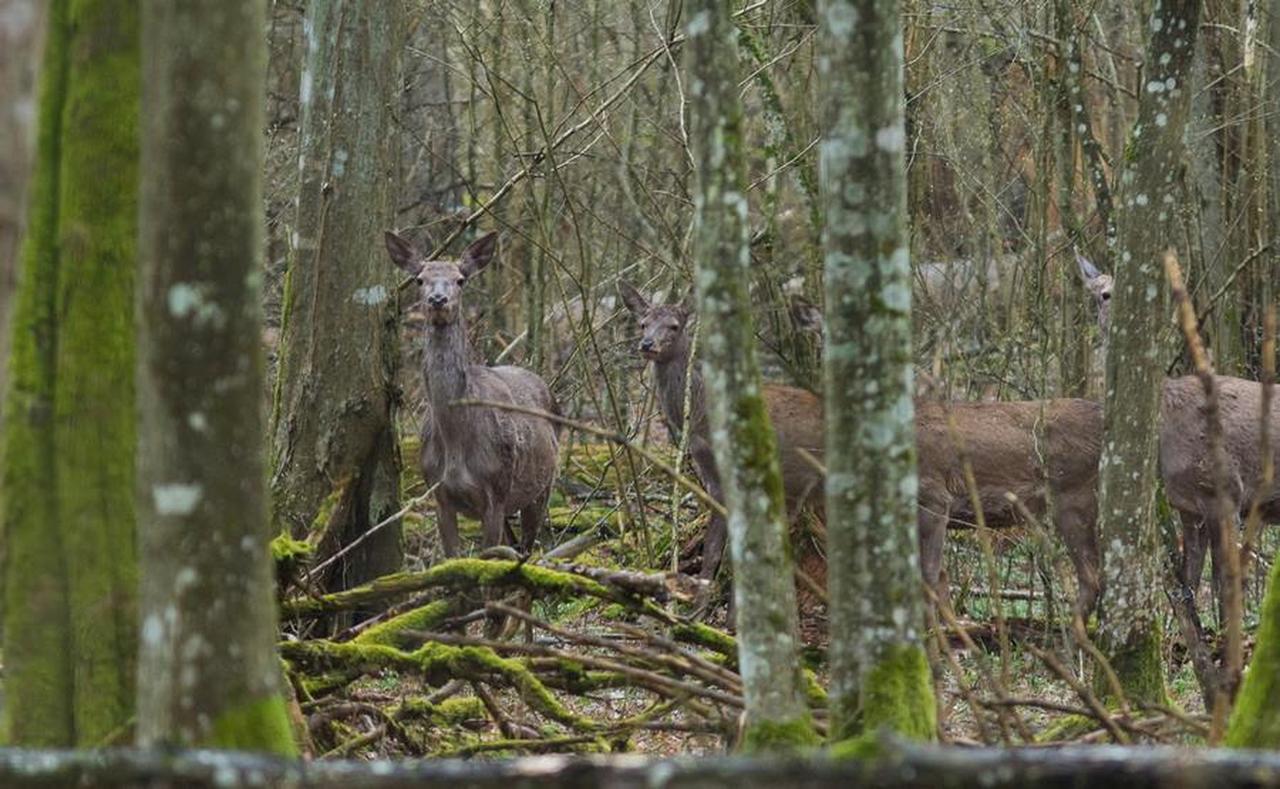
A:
[489,462]
[1185,466]
[1036,451]
[796,415]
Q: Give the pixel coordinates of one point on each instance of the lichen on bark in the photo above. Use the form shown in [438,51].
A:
[208,673]
[879,674]
[1129,632]
[741,436]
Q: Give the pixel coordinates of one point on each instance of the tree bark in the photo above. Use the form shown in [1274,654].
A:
[21,31]
[1148,218]
[68,517]
[879,672]
[334,449]
[209,673]
[742,438]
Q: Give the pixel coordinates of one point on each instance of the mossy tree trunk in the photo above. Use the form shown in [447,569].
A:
[1150,198]
[209,673]
[21,31]
[1255,721]
[68,518]
[334,451]
[879,671]
[742,438]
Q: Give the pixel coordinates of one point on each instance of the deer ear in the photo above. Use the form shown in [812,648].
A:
[1087,269]
[636,303]
[478,255]
[403,254]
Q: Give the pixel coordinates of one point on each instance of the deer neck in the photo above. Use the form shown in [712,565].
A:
[444,366]
[672,378]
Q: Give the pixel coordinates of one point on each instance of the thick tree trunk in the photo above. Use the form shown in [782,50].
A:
[68,517]
[335,456]
[1149,195]
[209,672]
[21,31]
[742,438]
[879,672]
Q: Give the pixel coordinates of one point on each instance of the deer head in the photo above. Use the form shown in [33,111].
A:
[1099,286]
[662,326]
[440,281]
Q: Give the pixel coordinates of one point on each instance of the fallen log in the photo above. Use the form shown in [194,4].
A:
[896,765]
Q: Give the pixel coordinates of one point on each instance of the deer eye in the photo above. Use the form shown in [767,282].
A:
[1106,297]
[461,280]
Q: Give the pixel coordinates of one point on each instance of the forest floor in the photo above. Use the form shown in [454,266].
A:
[1010,614]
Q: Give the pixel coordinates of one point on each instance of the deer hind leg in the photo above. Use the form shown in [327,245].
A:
[493,524]
[447,524]
[1076,520]
[1195,543]
[931,523]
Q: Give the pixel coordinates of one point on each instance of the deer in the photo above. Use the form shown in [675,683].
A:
[1185,466]
[795,413]
[486,462]
[1037,452]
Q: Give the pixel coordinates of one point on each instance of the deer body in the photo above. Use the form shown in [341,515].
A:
[488,462]
[1043,453]
[1037,451]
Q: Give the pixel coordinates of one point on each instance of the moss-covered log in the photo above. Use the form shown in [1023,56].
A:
[208,667]
[1129,630]
[879,674]
[741,436]
[67,505]
[333,424]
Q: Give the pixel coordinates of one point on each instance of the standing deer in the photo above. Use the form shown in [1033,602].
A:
[1185,465]
[489,462]
[1036,451]
[796,416]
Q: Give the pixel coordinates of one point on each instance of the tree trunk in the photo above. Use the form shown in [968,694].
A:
[21,31]
[1149,195]
[209,671]
[335,456]
[879,672]
[70,563]
[742,438]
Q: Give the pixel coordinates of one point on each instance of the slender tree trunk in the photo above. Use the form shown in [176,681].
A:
[209,672]
[742,438]
[879,671]
[1149,194]
[68,518]
[336,464]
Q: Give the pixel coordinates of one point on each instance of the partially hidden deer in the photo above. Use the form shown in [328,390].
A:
[488,462]
[1038,452]
[796,416]
[1185,465]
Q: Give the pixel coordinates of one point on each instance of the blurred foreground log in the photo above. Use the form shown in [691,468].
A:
[899,765]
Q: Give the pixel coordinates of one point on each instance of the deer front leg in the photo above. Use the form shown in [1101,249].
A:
[447,524]
[1076,516]
[531,518]
[1195,543]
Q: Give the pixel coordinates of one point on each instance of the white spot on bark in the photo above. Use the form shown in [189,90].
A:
[176,498]
[370,296]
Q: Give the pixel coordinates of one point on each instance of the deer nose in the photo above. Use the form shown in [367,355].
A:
[646,344]
[437,300]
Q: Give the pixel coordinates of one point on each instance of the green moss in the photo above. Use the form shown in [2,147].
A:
[450,712]
[455,573]
[780,736]
[1067,728]
[865,747]
[422,618]
[896,695]
[69,415]
[1138,667]
[255,725]
[1255,722]
[439,663]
